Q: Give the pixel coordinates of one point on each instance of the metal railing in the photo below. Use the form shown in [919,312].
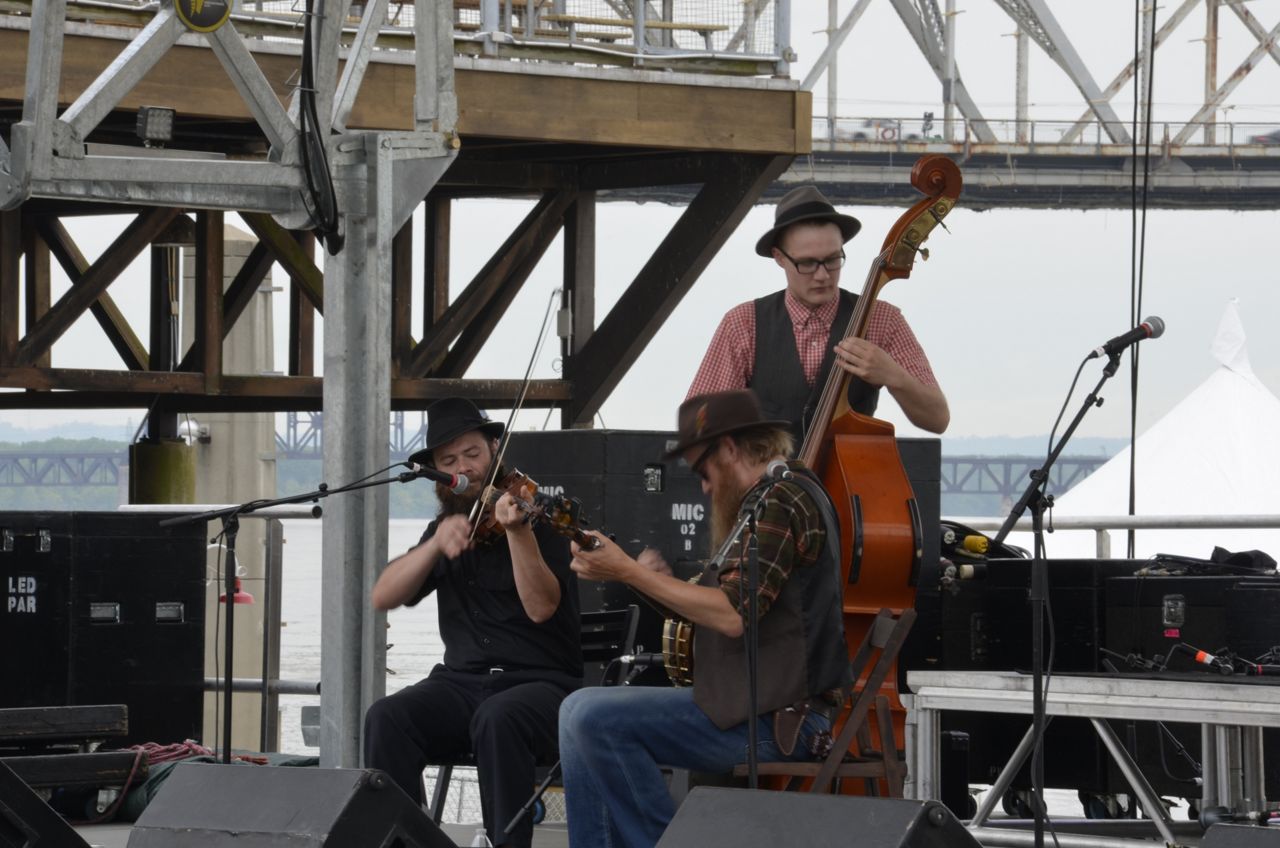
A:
[1102,525]
[613,31]
[1049,135]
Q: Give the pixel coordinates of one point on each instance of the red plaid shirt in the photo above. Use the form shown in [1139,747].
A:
[731,355]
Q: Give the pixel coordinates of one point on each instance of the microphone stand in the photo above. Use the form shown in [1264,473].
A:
[747,517]
[1037,501]
[230,518]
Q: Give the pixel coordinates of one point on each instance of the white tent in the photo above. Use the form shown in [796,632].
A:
[1216,453]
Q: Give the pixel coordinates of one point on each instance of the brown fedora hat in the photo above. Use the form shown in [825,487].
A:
[805,204]
[706,417]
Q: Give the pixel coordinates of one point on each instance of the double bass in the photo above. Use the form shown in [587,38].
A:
[856,456]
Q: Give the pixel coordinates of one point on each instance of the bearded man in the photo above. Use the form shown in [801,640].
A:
[508,614]
[614,741]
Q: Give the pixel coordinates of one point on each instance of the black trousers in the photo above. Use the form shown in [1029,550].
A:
[507,719]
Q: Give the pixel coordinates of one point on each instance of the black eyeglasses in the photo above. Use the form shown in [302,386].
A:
[810,266]
[699,464]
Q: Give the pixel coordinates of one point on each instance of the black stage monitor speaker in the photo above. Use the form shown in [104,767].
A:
[26,821]
[1241,836]
[205,805]
[743,818]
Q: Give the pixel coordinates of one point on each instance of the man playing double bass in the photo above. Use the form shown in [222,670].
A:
[782,345]
[508,611]
[613,740]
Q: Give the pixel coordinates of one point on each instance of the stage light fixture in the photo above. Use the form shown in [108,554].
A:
[155,125]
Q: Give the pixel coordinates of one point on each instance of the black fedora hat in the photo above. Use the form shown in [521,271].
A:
[449,418]
[710,416]
[805,204]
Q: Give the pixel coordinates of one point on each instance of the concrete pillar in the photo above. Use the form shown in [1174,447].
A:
[234,459]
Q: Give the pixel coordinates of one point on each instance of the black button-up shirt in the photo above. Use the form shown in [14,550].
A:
[482,622]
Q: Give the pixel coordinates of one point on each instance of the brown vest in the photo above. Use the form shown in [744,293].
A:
[802,647]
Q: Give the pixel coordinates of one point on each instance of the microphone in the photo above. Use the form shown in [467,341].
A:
[642,660]
[457,483]
[1151,328]
[777,470]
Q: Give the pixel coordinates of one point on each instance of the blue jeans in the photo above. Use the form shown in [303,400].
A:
[613,741]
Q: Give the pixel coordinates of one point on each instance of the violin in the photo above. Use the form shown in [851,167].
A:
[561,514]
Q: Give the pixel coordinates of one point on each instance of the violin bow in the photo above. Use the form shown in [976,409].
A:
[492,474]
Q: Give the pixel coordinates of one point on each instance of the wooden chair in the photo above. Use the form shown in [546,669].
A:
[874,661]
[605,635]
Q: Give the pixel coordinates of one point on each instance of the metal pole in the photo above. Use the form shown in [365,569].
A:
[782,37]
[833,75]
[1005,778]
[1008,838]
[1150,801]
[1210,65]
[1144,72]
[357,406]
[1022,42]
[949,83]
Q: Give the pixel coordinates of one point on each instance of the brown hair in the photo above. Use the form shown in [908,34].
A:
[761,444]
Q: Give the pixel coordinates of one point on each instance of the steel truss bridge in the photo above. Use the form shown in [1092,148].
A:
[1087,161]
[301,439]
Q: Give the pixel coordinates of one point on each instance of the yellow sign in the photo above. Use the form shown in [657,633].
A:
[203,15]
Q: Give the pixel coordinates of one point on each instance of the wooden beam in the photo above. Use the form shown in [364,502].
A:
[671,271]
[401,295]
[580,271]
[526,257]
[419,394]
[482,302]
[10,283]
[579,279]
[104,310]
[26,725]
[248,280]
[239,294]
[298,263]
[72,380]
[491,104]
[437,230]
[165,276]
[92,284]
[302,317]
[37,280]
[71,388]
[209,269]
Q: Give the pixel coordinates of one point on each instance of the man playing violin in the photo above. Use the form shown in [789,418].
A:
[613,740]
[783,345]
[508,613]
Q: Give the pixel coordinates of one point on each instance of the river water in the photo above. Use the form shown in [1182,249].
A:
[413,635]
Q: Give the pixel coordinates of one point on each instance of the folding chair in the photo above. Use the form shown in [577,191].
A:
[605,635]
[883,641]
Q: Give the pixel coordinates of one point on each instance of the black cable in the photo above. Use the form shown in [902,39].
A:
[1061,410]
[1138,240]
[321,198]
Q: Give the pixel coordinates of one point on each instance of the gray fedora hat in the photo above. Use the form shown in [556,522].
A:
[805,204]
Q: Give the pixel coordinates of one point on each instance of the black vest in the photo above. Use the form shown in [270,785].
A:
[802,647]
[777,377]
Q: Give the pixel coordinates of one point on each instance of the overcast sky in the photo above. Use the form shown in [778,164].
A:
[1010,300]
